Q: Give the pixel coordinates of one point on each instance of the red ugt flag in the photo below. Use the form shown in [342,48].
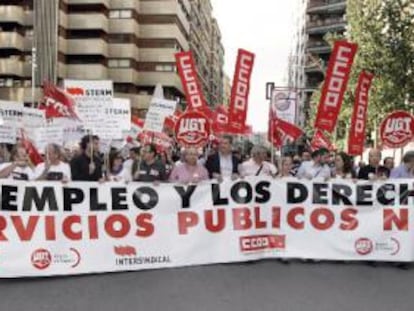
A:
[57,103]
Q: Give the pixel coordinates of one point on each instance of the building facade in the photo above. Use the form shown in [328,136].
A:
[310,53]
[131,42]
[205,43]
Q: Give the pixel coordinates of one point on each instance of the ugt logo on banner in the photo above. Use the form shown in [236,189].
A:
[397,129]
[192,129]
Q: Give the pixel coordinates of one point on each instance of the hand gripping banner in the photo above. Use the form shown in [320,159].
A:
[334,87]
[356,138]
[240,90]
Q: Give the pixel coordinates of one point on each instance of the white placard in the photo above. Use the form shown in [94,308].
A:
[120,112]
[284,104]
[7,134]
[11,112]
[90,98]
[33,117]
[158,110]
[43,136]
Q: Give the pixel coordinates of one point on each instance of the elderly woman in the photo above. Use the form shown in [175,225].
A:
[19,168]
[190,171]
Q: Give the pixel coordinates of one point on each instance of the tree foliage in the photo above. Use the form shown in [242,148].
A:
[384,32]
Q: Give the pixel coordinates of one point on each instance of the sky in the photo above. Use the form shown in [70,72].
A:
[264,27]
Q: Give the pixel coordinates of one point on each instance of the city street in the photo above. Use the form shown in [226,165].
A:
[266,285]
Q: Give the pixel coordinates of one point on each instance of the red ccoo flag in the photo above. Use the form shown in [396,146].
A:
[240,90]
[334,87]
[356,138]
[57,103]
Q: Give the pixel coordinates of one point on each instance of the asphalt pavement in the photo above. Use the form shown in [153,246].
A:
[265,285]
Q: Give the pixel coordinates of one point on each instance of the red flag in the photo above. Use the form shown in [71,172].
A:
[220,120]
[319,140]
[171,120]
[283,132]
[57,103]
[137,126]
[240,90]
[188,75]
[31,150]
[356,138]
[336,80]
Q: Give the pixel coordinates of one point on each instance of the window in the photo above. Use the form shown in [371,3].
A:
[6,82]
[120,14]
[119,63]
[165,68]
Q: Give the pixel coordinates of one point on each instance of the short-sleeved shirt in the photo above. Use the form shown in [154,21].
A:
[55,172]
[19,173]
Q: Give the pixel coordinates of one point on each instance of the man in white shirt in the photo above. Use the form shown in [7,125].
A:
[19,168]
[54,168]
[257,166]
[317,167]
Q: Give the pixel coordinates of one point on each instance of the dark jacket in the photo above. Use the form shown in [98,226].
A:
[213,164]
[79,167]
[378,171]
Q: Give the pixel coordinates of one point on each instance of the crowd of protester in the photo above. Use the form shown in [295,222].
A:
[192,165]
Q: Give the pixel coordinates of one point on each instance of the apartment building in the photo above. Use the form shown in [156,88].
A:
[310,53]
[205,42]
[131,42]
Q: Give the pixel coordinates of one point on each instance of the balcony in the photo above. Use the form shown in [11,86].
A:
[326,6]
[88,21]
[168,31]
[127,25]
[323,26]
[86,72]
[314,65]
[318,47]
[123,75]
[12,14]
[19,94]
[167,79]
[28,18]
[138,101]
[123,50]
[86,47]
[165,8]
[11,40]
[157,55]
[11,67]
[125,4]
[104,2]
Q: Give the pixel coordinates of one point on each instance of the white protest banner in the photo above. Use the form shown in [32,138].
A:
[90,97]
[93,228]
[158,110]
[284,104]
[7,134]
[117,120]
[43,136]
